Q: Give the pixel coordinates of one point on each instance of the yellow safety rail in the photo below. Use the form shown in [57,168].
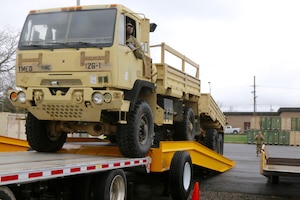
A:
[8,144]
[201,156]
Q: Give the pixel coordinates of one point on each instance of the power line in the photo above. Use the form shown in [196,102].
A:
[277,87]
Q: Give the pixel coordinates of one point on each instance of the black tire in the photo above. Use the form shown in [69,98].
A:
[274,179]
[211,139]
[235,132]
[135,139]
[39,137]
[111,185]
[220,149]
[185,130]
[181,175]
[6,193]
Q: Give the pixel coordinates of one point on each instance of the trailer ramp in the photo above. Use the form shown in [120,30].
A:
[200,154]
[8,144]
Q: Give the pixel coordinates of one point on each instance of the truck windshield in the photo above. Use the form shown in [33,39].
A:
[88,28]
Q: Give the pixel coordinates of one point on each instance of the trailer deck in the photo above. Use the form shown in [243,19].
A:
[274,167]
[22,167]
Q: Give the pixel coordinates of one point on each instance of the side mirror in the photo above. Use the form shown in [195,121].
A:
[152,27]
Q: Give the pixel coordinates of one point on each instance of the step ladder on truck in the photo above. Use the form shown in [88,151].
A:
[101,83]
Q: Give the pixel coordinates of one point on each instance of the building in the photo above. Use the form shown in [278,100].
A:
[247,120]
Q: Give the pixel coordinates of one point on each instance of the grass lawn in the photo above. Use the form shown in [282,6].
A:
[241,138]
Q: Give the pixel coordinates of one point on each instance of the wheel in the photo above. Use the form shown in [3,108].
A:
[185,130]
[235,132]
[111,185]
[181,175]
[6,193]
[135,139]
[211,139]
[41,137]
[220,149]
[274,179]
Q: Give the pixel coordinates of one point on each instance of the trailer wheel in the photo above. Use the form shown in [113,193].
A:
[221,143]
[6,194]
[185,130]
[135,139]
[111,185]
[274,179]
[211,139]
[181,175]
[40,137]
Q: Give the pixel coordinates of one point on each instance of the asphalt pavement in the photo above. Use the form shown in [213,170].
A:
[244,181]
[245,178]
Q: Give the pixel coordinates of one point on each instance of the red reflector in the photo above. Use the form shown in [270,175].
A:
[136,162]
[9,178]
[91,168]
[55,172]
[117,164]
[127,163]
[35,174]
[105,166]
[77,169]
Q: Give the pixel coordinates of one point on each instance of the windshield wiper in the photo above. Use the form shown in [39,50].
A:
[89,44]
[41,46]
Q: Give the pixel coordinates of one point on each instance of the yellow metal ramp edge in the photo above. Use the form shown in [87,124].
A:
[8,144]
[200,155]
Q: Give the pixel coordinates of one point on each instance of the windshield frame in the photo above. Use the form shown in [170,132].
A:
[71,29]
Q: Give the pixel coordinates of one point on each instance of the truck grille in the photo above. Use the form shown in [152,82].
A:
[63,111]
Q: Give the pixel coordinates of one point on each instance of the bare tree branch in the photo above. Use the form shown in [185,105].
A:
[8,46]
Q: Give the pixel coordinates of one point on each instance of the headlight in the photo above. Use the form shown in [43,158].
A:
[107,98]
[97,98]
[21,97]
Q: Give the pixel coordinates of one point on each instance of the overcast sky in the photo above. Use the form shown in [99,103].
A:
[233,41]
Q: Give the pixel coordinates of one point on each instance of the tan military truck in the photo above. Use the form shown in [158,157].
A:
[77,74]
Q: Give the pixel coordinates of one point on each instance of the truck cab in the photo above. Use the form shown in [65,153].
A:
[76,71]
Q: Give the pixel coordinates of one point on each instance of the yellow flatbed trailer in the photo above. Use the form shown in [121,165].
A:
[274,167]
[77,161]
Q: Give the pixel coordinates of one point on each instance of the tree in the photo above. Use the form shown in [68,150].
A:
[8,46]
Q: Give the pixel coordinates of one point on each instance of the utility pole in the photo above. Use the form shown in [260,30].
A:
[254,98]
[78,2]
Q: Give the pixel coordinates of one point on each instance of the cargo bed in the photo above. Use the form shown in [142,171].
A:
[274,167]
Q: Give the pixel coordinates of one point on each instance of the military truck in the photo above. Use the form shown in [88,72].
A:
[76,73]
